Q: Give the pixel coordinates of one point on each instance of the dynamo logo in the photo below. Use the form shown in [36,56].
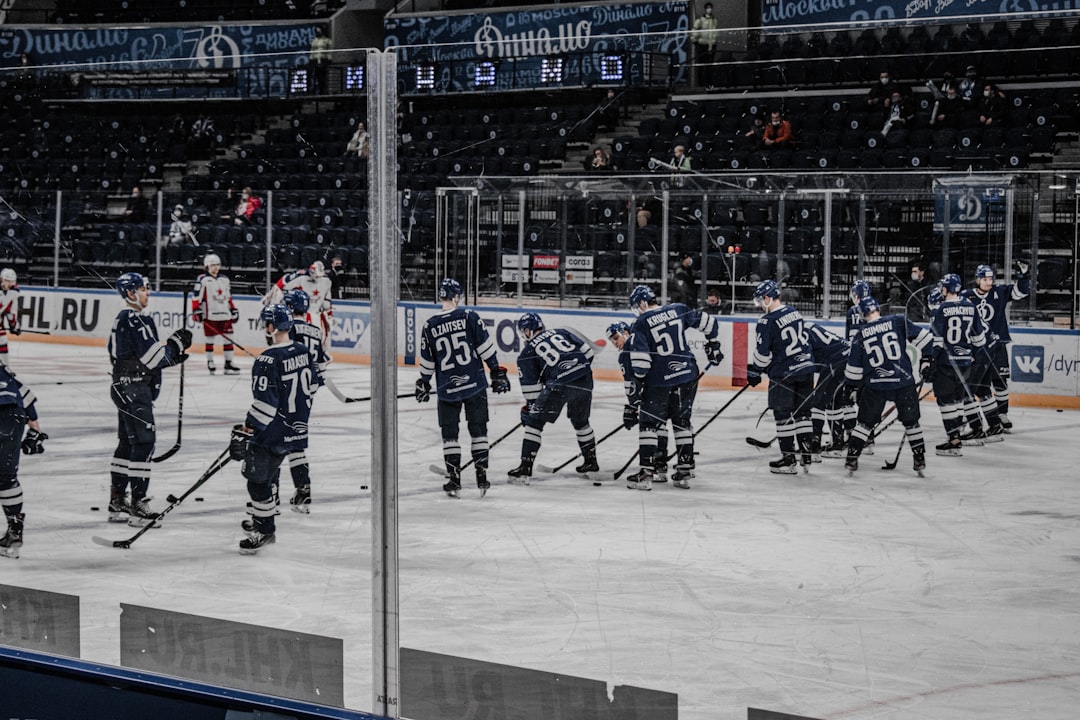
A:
[349,329]
[1028,363]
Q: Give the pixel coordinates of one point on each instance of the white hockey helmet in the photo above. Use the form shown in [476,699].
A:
[317,269]
[9,275]
[211,259]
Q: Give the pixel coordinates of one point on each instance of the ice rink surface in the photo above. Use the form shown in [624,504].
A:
[879,596]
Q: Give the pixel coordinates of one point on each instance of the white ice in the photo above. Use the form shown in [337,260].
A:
[879,596]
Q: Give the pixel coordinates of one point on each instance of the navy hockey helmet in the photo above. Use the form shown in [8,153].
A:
[766,289]
[449,289]
[860,289]
[934,299]
[278,316]
[530,322]
[617,328]
[129,282]
[641,294]
[868,305]
[984,271]
[297,301]
[951,284]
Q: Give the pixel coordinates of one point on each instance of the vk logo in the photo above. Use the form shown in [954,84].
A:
[1027,363]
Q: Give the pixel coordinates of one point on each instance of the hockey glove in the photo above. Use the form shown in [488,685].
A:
[181,340]
[928,371]
[1022,267]
[423,390]
[635,391]
[197,315]
[34,442]
[234,314]
[629,416]
[16,330]
[238,441]
[753,375]
[499,382]
[713,352]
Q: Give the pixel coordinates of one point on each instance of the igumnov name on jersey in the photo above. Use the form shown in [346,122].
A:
[879,357]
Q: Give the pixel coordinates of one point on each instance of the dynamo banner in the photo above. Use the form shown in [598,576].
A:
[802,12]
[967,202]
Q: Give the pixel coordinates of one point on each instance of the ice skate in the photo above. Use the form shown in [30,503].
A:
[301,500]
[482,483]
[681,478]
[211,367]
[119,507]
[231,369]
[256,541]
[13,538]
[975,438]
[521,474]
[995,434]
[787,465]
[589,464]
[851,464]
[641,480]
[660,468]
[1006,423]
[950,448]
[141,515]
[919,464]
[835,451]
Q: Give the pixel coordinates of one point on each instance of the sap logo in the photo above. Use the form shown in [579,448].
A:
[349,329]
[1027,363]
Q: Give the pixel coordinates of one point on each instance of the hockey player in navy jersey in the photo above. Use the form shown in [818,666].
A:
[666,376]
[782,351]
[619,335]
[555,371]
[138,358]
[992,302]
[454,347]
[959,334]
[17,409]
[850,409]
[880,365]
[827,406]
[311,337]
[283,381]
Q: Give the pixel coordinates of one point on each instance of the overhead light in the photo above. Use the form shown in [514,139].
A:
[299,81]
[484,74]
[551,70]
[354,77]
[612,68]
[425,77]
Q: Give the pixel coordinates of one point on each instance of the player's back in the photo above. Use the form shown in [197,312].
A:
[828,348]
[958,329]
[659,349]
[555,357]
[288,369]
[452,347]
[783,344]
[879,354]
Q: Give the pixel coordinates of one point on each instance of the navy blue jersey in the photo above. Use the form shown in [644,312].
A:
[454,346]
[783,346]
[879,357]
[553,357]
[283,381]
[994,307]
[311,337]
[659,352]
[853,322]
[135,350]
[12,392]
[958,331]
[829,349]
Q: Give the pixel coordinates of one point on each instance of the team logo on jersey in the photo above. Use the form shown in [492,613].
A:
[455,380]
[349,329]
[568,365]
[1028,363]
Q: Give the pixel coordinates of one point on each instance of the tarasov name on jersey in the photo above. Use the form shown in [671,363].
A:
[290,363]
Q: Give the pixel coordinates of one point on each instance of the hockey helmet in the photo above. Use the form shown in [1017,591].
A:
[766,291]
[868,305]
[951,284]
[211,259]
[984,271]
[859,290]
[9,275]
[297,301]
[617,328]
[276,315]
[450,289]
[317,269]
[934,299]
[129,282]
[530,322]
[641,294]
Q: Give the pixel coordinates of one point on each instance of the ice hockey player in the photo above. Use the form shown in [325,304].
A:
[555,371]
[880,365]
[850,398]
[212,306]
[138,358]
[827,404]
[619,335]
[17,409]
[992,302]
[317,285]
[666,376]
[283,382]
[454,346]
[959,333]
[9,310]
[782,351]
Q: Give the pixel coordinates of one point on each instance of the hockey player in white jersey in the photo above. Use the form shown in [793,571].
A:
[213,306]
[316,284]
[9,310]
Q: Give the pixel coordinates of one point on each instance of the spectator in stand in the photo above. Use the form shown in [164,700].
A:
[245,209]
[600,160]
[648,206]
[226,209]
[969,85]
[138,207]
[777,132]
[898,113]
[337,276]
[706,33]
[755,134]
[360,142]
[712,302]
[680,163]
[683,284]
[992,105]
[878,95]
[182,229]
[950,109]
[918,288]
[609,111]
[319,56]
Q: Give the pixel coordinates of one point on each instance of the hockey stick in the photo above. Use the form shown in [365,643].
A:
[180,406]
[552,471]
[237,345]
[219,463]
[345,399]
[892,465]
[442,470]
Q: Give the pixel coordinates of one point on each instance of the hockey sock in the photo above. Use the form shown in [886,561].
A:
[11,496]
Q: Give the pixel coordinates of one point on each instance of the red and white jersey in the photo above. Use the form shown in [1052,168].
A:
[9,308]
[317,289]
[213,295]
